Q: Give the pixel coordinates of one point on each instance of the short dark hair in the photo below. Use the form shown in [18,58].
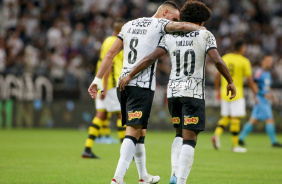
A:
[239,44]
[118,24]
[195,12]
[172,4]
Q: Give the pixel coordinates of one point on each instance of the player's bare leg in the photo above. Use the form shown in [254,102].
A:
[186,157]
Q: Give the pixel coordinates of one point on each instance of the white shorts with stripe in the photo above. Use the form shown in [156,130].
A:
[110,103]
[234,108]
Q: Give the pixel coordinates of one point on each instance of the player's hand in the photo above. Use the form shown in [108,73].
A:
[217,95]
[231,88]
[94,87]
[123,82]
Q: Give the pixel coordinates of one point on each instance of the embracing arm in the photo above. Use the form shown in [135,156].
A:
[223,70]
[143,64]
[182,26]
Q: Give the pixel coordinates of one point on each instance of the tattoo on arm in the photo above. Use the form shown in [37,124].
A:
[182,26]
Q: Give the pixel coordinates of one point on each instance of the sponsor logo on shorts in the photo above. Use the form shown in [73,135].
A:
[133,115]
[175,120]
[190,120]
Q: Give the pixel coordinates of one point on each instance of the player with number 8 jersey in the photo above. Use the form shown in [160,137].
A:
[141,37]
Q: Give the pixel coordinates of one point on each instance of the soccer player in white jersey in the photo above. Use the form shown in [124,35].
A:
[138,38]
[185,91]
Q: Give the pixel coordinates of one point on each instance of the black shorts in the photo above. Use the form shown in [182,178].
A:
[187,112]
[136,104]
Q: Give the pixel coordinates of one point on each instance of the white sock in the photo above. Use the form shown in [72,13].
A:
[175,152]
[186,159]
[127,151]
[140,160]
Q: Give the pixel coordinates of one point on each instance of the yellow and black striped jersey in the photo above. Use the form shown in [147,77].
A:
[117,62]
[239,67]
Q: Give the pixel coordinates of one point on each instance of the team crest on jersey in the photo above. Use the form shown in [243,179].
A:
[133,115]
[175,120]
[190,120]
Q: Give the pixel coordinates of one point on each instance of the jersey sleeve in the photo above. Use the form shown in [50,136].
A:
[247,68]
[211,41]
[163,23]
[162,44]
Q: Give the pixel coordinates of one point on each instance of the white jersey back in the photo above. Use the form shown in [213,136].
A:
[140,38]
[188,54]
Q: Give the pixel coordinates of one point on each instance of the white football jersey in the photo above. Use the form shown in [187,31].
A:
[140,38]
[188,55]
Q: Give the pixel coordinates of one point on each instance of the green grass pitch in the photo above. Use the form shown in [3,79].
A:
[54,157]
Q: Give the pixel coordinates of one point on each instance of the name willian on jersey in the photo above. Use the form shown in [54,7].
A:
[184,43]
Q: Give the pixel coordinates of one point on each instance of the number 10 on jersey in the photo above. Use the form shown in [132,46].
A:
[188,52]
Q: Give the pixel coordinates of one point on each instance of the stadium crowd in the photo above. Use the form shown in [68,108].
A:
[61,39]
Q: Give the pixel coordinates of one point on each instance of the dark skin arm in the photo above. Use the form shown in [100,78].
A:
[143,64]
[217,85]
[223,70]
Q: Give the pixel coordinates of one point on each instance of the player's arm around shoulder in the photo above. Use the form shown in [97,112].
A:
[143,64]
[182,26]
[106,63]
